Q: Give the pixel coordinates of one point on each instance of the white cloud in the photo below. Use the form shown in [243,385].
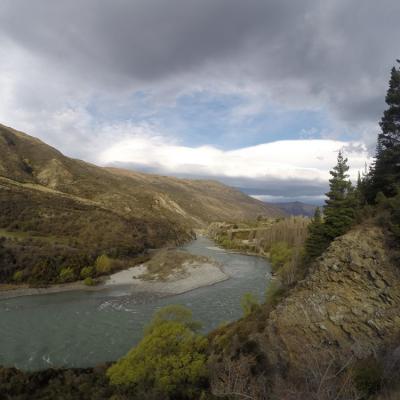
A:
[302,160]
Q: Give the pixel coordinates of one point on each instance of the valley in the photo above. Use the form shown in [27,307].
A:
[61,215]
[96,260]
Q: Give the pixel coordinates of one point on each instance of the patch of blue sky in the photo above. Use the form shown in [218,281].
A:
[204,118]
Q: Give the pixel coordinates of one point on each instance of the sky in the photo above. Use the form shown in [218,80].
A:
[259,94]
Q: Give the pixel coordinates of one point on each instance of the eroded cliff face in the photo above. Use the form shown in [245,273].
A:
[348,306]
[351,301]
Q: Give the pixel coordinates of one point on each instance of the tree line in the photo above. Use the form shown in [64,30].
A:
[377,191]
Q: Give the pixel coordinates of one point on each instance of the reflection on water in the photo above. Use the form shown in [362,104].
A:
[79,329]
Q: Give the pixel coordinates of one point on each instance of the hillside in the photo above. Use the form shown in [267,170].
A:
[345,311]
[60,212]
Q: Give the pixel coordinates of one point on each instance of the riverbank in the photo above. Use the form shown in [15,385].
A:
[168,273]
[194,276]
[13,291]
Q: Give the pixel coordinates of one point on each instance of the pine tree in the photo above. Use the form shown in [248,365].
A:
[359,192]
[385,174]
[340,206]
[361,189]
[316,241]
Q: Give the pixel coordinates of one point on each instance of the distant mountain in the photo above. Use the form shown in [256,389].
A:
[60,212]
[297,208]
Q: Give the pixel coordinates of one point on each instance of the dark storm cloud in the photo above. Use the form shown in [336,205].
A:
[338,52]
[142,39]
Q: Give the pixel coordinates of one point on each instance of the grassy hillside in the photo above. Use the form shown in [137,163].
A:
[59,213]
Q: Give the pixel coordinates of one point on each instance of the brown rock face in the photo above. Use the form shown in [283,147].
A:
[350,302]
[348,306]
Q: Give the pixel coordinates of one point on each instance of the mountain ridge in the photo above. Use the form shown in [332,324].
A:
[82,211]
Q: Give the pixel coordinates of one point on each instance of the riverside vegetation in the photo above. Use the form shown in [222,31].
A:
[328,330]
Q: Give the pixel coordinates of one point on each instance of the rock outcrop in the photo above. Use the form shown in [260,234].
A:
[347,307]
[350,302]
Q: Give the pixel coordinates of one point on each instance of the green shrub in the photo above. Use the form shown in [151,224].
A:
[87,272]
[89,281]
[249,303]
[66,275]
[381,200]
[103,264]
[18,276]
[227,244]
[280,254]
[389,215]
[170,359]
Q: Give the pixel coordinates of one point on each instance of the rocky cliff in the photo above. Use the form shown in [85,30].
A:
[346,309]
[350,301]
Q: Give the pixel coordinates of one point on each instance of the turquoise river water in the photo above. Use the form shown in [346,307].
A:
[80,329]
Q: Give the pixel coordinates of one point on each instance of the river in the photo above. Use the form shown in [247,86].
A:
[81,329]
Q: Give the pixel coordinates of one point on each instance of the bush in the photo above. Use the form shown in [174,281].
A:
[389,214]
[293,270]
[280,254]
[227,244]
[170,360]
[103,264]
[89,281]
[87,272]
[66,275]
[18,276]
[249,303]
[381,200]
[288,274]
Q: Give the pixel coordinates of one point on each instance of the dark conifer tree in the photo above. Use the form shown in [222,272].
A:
[316,241]
[340,206]
[385,174]
[361,189]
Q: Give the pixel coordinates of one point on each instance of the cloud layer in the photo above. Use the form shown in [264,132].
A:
[285,169]
[204,75]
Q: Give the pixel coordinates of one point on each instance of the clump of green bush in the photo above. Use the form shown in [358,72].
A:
[249,303]
[18,276]
[103,264]
[389,213]
[89,281]
[170,359]
[87,272]
[66,274]
[280,254]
